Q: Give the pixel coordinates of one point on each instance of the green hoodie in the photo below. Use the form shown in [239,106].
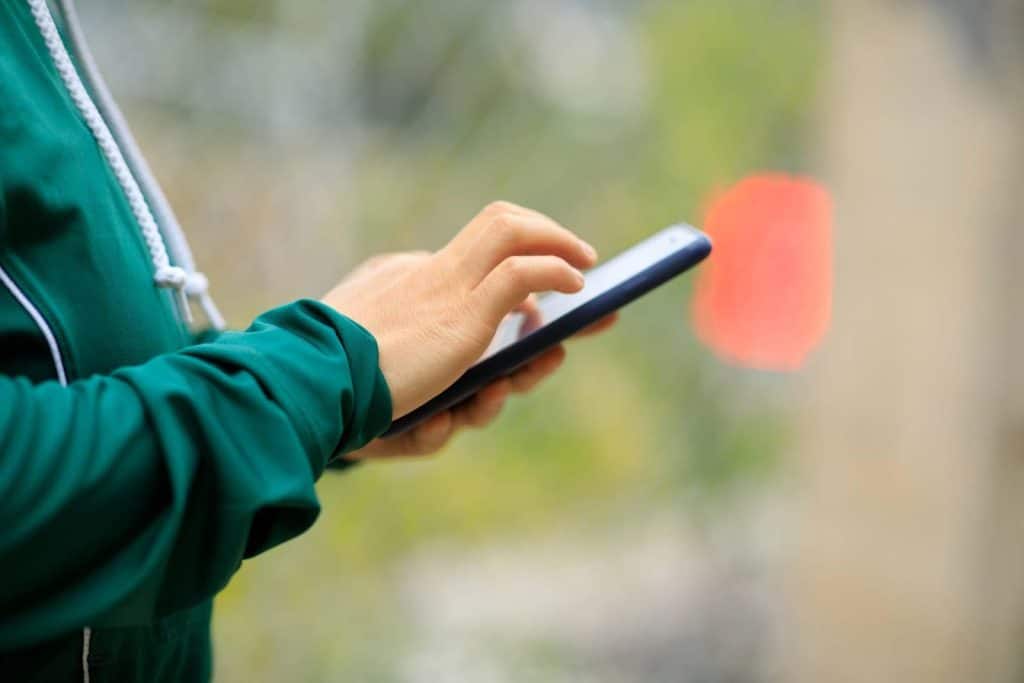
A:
[137,468]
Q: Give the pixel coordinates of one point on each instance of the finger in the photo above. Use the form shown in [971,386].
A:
[481,248]
[528,377]
[432,435]
[518,236]
[517,277]
[532,318]
[495,212]
[529,306]
[502,208]
[481,410]
[598,327]
[423,439]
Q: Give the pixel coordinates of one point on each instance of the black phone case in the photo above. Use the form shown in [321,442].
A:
[536,343]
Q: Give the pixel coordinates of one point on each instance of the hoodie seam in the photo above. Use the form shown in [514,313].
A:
[47,328]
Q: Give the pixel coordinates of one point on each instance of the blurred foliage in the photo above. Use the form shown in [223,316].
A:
[617,119]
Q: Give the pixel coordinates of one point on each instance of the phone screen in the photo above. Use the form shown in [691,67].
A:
[600,280]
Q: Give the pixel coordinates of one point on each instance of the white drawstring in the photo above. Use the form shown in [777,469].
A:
[86,639]
[166,276]
[197,287]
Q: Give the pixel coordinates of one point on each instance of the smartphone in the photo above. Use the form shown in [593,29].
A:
[609,287]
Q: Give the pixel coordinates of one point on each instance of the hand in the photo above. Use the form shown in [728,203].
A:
[433,315]
[478,412]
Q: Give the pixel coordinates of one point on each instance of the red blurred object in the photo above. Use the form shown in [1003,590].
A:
[764,298]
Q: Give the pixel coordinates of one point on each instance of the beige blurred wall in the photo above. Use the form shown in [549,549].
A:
[910,560]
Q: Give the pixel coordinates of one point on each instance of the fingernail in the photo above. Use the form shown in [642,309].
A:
[590,251]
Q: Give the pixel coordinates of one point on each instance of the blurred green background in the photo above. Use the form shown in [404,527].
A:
[612,526]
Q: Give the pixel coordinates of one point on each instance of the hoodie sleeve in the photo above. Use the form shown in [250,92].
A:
[133,495]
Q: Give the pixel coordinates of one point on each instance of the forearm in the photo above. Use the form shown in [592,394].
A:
[156,481]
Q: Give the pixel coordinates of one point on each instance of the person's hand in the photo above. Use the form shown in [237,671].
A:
[477,412]
[433,315]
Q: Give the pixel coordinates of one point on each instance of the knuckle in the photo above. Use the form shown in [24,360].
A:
[426,445]
[514,269]
[503,223]
[499,207]
[511,231]
[378,260]
[566,275]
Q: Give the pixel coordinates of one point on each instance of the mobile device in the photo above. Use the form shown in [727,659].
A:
[608,287]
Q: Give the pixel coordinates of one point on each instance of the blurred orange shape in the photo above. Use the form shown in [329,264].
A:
[764,298]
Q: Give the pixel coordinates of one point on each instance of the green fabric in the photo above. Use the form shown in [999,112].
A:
[129,497]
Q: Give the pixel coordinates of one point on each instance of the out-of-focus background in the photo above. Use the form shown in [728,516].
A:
[655,513]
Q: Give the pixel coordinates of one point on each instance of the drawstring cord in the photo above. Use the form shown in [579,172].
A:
[197,287]
[180,281]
